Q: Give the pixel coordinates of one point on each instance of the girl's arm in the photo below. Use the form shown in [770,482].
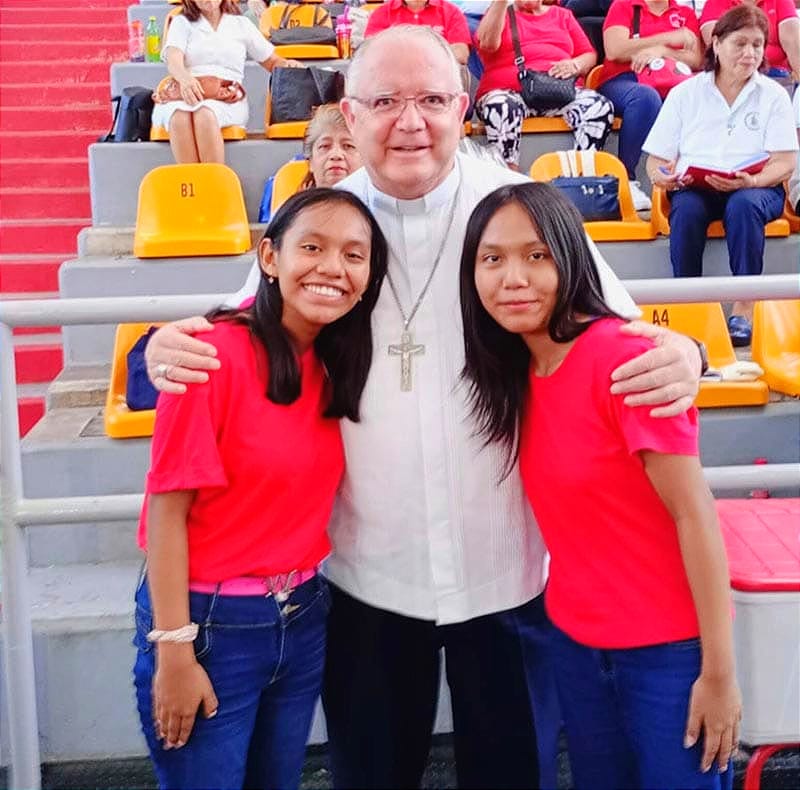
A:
[180,684]
[715,705]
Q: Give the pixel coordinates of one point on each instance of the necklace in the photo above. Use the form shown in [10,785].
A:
[407,348]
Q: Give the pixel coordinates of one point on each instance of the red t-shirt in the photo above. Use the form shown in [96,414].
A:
[776,10]
[445,18]
[544,39]
[621,15]
[266,474]
[616,574]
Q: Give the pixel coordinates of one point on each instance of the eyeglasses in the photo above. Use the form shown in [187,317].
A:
[392,106]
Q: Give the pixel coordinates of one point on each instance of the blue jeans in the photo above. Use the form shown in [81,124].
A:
[474,64]
[744,213]
[266,669]
[638,105]
[625,716]
[382,684]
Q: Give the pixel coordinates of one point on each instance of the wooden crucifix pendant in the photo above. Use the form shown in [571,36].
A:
[405,350]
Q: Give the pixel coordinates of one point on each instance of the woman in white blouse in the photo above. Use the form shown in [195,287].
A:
[722,117]
[209,39]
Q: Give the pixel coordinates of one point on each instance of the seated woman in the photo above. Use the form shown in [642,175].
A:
[209,39]
[743,114]
[551,41]
[783,42]
[329,148]
[665,30]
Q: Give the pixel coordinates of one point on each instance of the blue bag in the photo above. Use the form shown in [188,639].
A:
[140,394]
[596,197]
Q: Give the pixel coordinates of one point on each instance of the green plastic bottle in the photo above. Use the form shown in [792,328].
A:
[152,37]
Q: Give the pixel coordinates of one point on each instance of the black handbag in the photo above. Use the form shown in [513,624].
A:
[290,31]
[539,90]
[133,113]
[596,197]
[297,92]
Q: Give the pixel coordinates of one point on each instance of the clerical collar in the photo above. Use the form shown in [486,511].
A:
[435,199]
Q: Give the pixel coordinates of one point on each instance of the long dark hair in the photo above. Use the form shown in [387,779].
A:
[192,11]
[734,19]
[497,361]
[344,346]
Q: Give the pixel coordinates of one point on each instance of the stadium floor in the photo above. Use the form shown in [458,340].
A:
[781,773]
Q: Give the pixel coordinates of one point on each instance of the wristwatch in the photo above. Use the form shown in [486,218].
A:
[701,347]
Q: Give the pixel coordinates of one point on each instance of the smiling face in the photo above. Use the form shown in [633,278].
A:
[740,53]
[322,267]
[409,154]
[515,275]
[333,157]
[529,6]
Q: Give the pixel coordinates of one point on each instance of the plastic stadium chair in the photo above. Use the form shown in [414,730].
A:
[660,218]
[287,182]
[706,322]
[120,422]
[593,78]
[193,209]
[173,12]
[631,227]
[161,133]
[304,16]
[776,343]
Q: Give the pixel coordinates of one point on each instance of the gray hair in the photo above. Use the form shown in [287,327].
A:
[426,36]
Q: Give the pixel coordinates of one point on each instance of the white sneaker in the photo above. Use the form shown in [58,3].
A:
[641,202]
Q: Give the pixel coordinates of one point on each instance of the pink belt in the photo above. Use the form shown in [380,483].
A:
[279,584]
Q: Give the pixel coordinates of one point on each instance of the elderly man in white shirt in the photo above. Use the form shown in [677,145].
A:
[430,552]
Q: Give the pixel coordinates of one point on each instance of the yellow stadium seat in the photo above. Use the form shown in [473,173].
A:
[593,78]
[776,343]
[161,133]
[302,16]
[660,218]
[173,12]
[120,422]
[631,227]
[190,210]
[289,130]
[706,322]
[288,180]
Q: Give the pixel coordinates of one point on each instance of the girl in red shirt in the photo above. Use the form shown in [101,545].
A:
[244,472]
[638,589]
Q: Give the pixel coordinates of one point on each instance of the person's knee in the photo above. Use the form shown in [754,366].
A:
[180,123]
[645,103]
[204,120]
[745,205]
[688,208]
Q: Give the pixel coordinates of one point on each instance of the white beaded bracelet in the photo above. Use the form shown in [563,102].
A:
[186,633]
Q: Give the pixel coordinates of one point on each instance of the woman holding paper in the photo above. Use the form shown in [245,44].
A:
[745,114]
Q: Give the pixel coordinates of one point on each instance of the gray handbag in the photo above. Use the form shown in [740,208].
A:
[290,31]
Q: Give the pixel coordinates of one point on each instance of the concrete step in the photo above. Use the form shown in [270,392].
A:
[65,4]
[124,275]
[29,236]
[30,405]
[79,386]
[73,31]
[29,272]
[26,51]
[36,145]
[38,358]
[33,15]
[32,202]
[70,171]
[46,71]
[16,95]
[79,116]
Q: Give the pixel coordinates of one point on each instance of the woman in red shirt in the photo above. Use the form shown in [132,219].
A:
[244,472]
[638,590]
[551,41]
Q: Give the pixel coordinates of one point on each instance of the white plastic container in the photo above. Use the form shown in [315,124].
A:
[766,634]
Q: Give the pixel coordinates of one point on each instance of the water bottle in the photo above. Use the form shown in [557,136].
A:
[136,41]
[153,41]
[344,30]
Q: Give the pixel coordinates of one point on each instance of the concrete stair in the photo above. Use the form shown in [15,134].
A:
[54,90]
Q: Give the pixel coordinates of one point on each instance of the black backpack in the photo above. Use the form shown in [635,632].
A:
[132,115]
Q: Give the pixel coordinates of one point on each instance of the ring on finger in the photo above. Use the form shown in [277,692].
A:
[161,370]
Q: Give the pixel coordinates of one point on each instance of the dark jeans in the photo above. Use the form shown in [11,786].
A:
[743,213]
[625,716]
[382,683]
[638,105]
[266,669]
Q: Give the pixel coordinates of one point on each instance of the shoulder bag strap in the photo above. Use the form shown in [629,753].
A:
[588,162]
[321,16]
[117,101]
[519,60]
[637,16]
[286,16]
[572,155]
[566,170]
